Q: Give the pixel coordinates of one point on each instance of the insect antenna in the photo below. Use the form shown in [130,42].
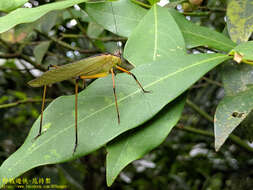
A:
[118,53]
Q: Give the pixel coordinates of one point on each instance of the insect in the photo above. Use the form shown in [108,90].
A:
[88,68]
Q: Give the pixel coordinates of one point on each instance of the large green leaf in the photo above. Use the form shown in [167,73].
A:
[25,15]
[139,142]
[126,14]
[159,31]
[195,35]
[97,123]
[9,5]
[230,112]
[94,30]
[165,25]
[236,78]
[240,20]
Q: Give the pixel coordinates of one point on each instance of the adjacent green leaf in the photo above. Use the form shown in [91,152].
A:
[127,20]
[240,20]
[25,15]
[126,14]
[245,50]
[158,30]
[94,30]
[97,123]
[72,12]
[139,142]
[9,5]
[236,77]
[40,50]
[237,80]
[48,21]
[231,111]
[195,35]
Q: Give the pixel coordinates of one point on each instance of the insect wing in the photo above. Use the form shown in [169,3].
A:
[87,66]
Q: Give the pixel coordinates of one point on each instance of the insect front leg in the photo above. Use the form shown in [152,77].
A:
[43,104]
[114,93]
[76,103]
[128,72]
[42,110]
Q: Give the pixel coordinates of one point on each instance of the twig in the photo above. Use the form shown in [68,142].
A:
[28,59]
[103,39]
[9,55]
[66,45]
[216,9]
[236,140]
[29,100]
[197,13]
[212,81]
[15,69]
[24,57]
[199,110]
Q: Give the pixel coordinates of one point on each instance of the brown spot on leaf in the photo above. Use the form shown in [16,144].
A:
[238,114]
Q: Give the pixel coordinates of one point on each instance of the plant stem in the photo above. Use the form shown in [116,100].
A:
[212,81]
[66,45]
[29,100]
[197,13]
[199,110]
[233,138]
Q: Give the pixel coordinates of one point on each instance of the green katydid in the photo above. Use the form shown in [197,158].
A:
[88,68]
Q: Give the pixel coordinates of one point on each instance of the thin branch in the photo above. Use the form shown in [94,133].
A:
[9,55]
[108,39]
[214,9]
[207,13]
[212,81]
[24,57]
[236,140]
[103,39]
[15,69]
[28,59]
[66,45]
[29,100]
[199,110]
